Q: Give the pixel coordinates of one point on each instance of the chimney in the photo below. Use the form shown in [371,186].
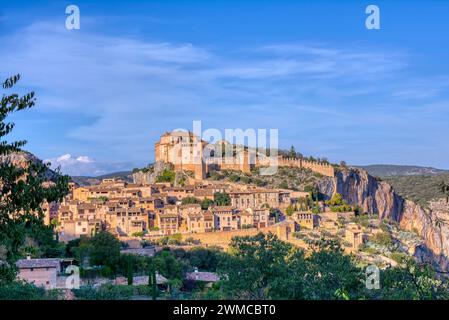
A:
[28,257]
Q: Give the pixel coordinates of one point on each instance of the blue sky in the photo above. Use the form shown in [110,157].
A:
[309,68]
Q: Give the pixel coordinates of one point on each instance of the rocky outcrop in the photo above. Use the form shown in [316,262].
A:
[359,188]
[22,159]
[149,175]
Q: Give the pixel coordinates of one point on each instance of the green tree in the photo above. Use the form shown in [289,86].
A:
[166,176]
[206,259]
[283,185]
[257,267]
[166,264]
[79,249]
[410,282]
[206,203]
[222,199]
[331,274]
[292,153]
[130,272]
[264,267]
[152,283]
[105,250]
[25,188]
[336,200]
[313,192]
[19,290]
[444,188]
[289,211]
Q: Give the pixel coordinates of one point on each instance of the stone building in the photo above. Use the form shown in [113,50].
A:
[187,152]
[306,220]
[354,235]
[225,218]
[168,223]
[40,272]
[195,222]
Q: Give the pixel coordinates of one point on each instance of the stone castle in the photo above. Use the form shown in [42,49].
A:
[187,152]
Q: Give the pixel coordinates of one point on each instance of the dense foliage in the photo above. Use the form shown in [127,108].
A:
[24,189]
[420,189]
[222,199]
[285,178]
[263,267]
[166,176]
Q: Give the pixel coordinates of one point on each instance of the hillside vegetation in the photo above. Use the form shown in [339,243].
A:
[89,181]
[285,178]
[388,170]
[420,189]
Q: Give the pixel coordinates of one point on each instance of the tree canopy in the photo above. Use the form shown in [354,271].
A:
[222,199]
[264,267]
[24,188]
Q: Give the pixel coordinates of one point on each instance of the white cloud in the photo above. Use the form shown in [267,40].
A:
[64,158]
[84,159]
[84,166]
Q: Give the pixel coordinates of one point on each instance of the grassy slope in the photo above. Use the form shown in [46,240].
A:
[420,189]
[291,178]
[387,170]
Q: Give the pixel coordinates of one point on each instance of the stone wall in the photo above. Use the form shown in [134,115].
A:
[223,238]
[321,168]
[39,276]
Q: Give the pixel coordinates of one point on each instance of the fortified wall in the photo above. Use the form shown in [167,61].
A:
[185,151]
[322,168]
[282,230]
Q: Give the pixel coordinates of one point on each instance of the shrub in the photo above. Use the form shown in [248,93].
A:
[234,177]
[166,176]
[105,292]
[190,200]
[18,290]
[399,257]
[383,239]
[139,234]
[106,272]
[222,199]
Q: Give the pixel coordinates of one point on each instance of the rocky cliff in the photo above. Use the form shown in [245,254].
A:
[148,175]
[22,159]
[357,187]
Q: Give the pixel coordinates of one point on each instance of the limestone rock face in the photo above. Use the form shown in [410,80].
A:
[149,177]
[22,159]
[19,159]
[357,187]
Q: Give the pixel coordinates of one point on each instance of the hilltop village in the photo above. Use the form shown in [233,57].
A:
[204,211]
[161,209]
[174,204]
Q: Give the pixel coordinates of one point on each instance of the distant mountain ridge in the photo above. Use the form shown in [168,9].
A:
[390,170]
[88,181]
